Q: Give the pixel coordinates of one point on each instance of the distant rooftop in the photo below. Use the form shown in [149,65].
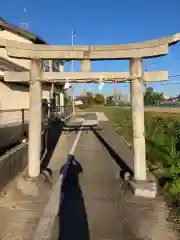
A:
[21,32]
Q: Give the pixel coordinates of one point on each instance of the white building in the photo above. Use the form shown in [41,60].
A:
[16,95]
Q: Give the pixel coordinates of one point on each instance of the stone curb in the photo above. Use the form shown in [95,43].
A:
[46,222]
[44,229]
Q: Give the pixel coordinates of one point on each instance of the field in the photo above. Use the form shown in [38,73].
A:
[162,133]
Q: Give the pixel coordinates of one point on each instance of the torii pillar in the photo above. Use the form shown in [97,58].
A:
[35,118]
[137,101]
[85,67]
[141,185]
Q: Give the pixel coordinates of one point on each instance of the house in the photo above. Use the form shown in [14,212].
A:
[16,95]
[173,99]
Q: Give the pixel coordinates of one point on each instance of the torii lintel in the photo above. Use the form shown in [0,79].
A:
[147,49]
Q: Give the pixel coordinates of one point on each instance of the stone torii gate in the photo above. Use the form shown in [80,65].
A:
[134,52]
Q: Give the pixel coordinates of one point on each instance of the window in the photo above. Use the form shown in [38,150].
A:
[46,65]
[55,65]
[51,64]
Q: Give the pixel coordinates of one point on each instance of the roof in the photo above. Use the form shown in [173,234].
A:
[8,64]
[21,32]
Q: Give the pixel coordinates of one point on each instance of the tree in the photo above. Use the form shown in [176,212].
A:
[158,98]
[90,99]
[99,98]
[110,101]
[153,98]
[89,94]
[148,96]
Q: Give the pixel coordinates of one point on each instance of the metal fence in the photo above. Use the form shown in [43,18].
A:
[60,111]
[14,123]
[13,128]
[13,116]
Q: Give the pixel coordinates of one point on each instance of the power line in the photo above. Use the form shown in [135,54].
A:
[172,76]
[165,84]
[154,63]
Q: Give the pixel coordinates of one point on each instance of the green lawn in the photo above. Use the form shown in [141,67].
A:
[121,118]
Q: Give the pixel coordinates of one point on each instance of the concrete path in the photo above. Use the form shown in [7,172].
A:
[98,192]
[97,205]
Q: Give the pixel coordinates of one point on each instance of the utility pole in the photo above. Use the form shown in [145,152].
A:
[72,69]
[72,42]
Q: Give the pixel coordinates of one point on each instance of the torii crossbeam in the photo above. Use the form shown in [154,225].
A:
[80,77]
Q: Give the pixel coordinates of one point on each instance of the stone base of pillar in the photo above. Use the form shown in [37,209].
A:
[33,186]
[146,189]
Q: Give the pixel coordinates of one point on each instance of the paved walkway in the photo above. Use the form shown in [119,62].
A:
[97,205]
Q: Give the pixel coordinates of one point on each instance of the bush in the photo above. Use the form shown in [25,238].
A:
[163,146]
[99,99]
[110,101]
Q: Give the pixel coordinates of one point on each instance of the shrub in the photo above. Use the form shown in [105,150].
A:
[163,145]
[99,99]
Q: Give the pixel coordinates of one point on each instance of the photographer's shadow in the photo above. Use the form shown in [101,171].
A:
[72,215]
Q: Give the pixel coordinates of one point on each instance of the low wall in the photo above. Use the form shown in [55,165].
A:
[12,163]
[16,160]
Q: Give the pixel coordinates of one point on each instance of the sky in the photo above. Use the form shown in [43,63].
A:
[105,22]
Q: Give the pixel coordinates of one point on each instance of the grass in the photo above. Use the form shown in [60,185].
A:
[121,119]
[162,131]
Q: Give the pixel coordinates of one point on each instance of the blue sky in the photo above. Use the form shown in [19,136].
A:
[105,22]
